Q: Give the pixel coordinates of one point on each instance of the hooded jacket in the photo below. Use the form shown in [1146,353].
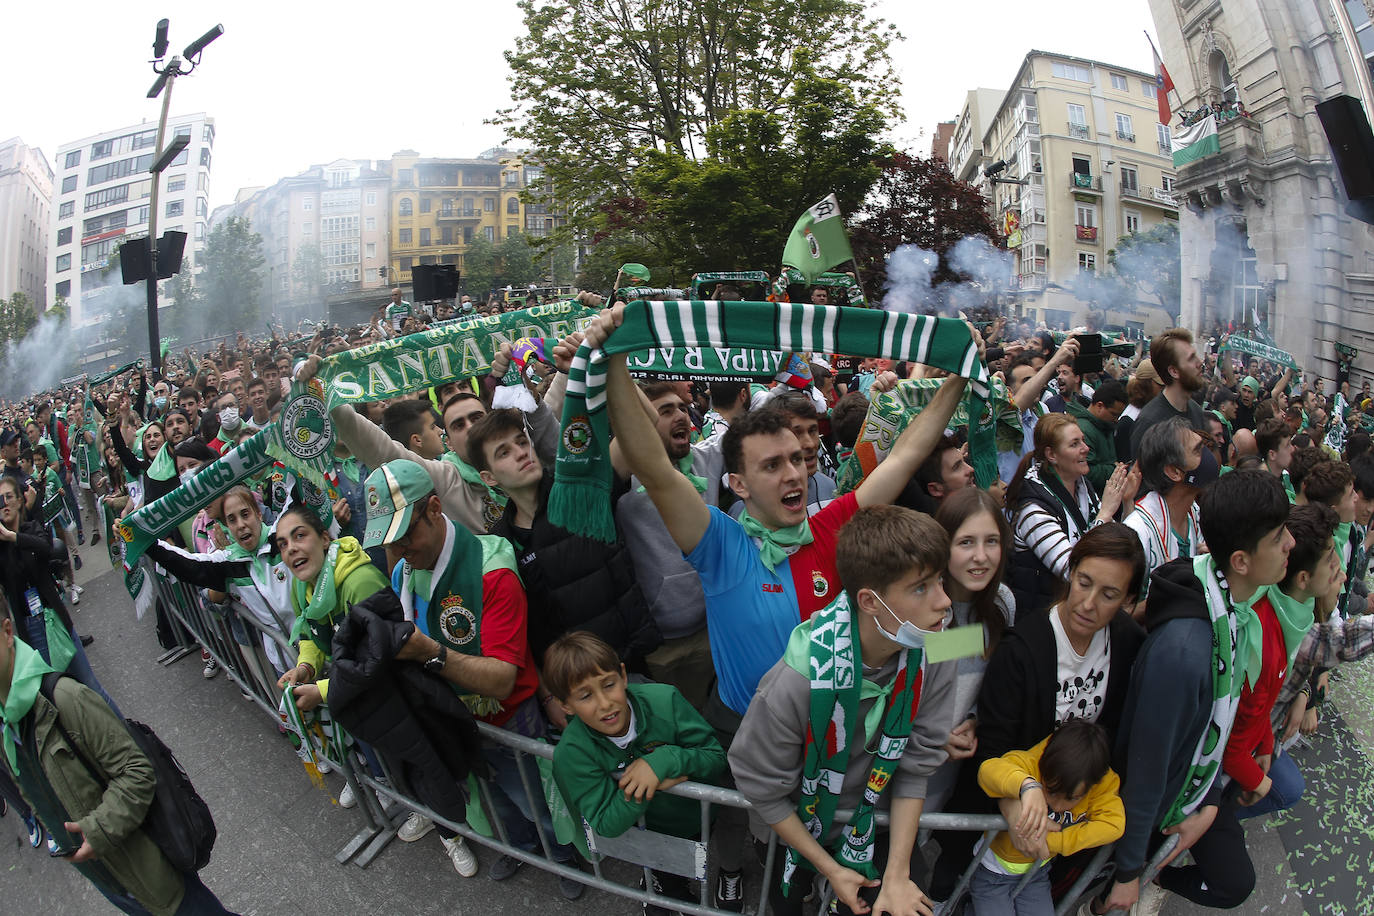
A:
[1101,438]
[414,719]
[1167,709]
[355,578]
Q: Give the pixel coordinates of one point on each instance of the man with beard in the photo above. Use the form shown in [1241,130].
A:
[1180,369]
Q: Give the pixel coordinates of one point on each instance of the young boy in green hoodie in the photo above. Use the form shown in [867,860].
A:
[624,745]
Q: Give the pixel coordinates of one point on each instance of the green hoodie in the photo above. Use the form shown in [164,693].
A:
[355,578]
[670,735]
[1101,439]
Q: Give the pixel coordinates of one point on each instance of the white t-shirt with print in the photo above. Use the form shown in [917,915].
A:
[1082,689]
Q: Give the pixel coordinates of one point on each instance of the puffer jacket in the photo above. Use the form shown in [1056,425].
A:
[578,583]
[414,719]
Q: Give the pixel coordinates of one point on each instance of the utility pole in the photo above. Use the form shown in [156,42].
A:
[163,157]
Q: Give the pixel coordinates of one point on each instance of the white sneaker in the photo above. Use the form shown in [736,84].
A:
[323,766]
[464,862]
[1151,900]
[346,798]
[75,595]
[415,827]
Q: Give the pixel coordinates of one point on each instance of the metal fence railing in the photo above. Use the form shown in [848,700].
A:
[236,640]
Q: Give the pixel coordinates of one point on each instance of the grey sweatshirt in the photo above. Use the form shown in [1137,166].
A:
[767,754]
[670,584]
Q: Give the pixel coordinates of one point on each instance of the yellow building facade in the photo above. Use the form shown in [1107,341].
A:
[1083,138]
[439,207]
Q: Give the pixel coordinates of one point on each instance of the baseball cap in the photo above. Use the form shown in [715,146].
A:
[392,492]
[8,437]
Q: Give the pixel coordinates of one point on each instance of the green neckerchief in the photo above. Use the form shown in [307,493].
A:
[349,468]
[1295,618]
[471,475]
[578,501]
[773,544]
[685,466]
[164,466]
[318,603]
[826,650]
[29,669]
[254,557]
[1224,619]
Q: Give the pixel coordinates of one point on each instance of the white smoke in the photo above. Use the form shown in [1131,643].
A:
[989,270]
[909,269]
[42,358]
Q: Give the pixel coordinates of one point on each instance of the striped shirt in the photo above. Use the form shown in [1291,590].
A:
[1038,530]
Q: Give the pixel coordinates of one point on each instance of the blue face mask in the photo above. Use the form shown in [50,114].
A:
[160,403]
[1206,471]
[908,635]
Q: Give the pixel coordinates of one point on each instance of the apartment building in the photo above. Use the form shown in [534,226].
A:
[25,206]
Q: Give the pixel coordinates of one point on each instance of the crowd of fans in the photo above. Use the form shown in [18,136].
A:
[1170,562]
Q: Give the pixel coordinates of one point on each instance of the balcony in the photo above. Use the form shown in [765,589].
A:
[458,213]
[1078,130]
[1086,234]
[1078,181]
[1131,191]
[1125,135]
[1161,196]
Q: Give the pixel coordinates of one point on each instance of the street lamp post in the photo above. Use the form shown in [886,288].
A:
[164,157]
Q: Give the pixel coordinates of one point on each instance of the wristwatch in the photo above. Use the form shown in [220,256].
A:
[436,664]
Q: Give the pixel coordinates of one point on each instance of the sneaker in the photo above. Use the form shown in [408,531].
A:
[730,891]
[95,538]
[415,827]
[81,538]
[75,594]
[211,666]
[321,764]
[35,831]
[464,862]
[1151,900]
[87,639]
[504,867]
[571,888]
[346,798]
[76,561]
[52,844]
[653,909]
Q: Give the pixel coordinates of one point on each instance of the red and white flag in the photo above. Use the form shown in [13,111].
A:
[1163,86]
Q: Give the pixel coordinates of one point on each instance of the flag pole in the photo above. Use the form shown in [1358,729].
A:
[1159,57]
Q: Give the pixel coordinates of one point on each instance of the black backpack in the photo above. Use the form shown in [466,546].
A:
[178,819]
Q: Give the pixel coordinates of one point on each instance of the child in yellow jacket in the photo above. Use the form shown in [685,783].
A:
[1059,797]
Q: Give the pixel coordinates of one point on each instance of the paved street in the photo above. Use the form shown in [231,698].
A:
[278,834]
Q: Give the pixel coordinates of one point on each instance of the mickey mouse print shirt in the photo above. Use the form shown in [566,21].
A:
[1082,689]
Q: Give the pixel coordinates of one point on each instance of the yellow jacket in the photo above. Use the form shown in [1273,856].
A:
[1098,819]
[349,589]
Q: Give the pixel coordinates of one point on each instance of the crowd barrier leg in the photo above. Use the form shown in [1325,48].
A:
[1096,868]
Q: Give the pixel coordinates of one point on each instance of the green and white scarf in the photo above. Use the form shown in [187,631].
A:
[1261,349]
[313,734]
[825,649]
[319,603]
[495,498]
[580,502]
[1230,647]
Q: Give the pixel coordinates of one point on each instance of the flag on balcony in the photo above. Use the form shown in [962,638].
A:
[1195,141]
[818,242]
[1164,85]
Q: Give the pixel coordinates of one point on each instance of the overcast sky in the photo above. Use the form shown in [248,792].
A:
[291,84]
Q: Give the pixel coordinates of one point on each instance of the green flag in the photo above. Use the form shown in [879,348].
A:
[818,242]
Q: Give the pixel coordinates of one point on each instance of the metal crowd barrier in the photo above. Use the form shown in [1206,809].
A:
[224,633]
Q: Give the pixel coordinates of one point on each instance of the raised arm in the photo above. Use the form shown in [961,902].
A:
[677,501]
[1030,392]
[912,447]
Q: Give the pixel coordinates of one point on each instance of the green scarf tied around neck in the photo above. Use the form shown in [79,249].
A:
[320,603]
[29,669]
[685,466]
[471,475]
[580,501]
[826,651]
[164,463]
[774,545]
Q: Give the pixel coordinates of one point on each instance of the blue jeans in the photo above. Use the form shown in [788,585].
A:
[198,900]
[508,789]
[1287,787]
[79,669]
[995,894]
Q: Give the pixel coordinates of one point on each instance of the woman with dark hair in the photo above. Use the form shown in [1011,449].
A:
[154,465]
[1051,505]
[979,542]
[1074,661]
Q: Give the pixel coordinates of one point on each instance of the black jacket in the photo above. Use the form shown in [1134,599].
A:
[578,583]
[1166,711]
[414,719]
[1016,704]
[25,564]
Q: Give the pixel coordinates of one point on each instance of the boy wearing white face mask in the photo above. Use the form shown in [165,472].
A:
[853,718]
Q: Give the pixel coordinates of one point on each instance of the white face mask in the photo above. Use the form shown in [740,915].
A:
[229,419]
[908,635]
[187,474]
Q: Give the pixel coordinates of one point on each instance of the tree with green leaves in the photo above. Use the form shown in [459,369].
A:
[517,267]
[307,272]
[182,300]
[232,276]
[600,86]
[479,266]
[1150,262]
[16,317]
